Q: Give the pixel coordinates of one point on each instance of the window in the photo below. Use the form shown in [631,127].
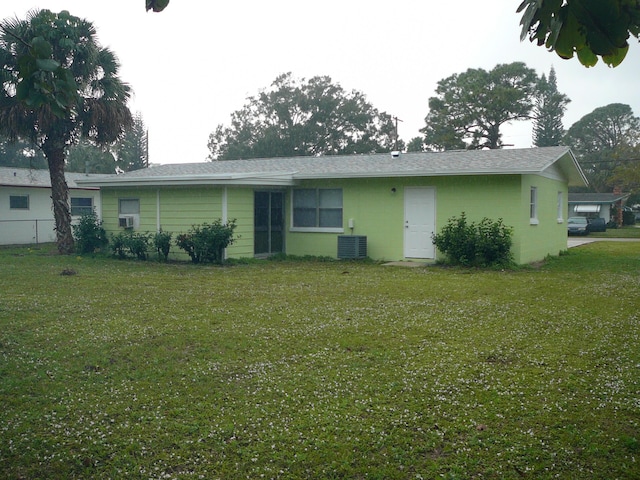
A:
[586,208]
[81,205]
[317,208]
[560,207]
[19,202]
[533,206]
[128,206]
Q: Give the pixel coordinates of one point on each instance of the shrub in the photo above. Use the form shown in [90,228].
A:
[139,244]
[494,242]
[131,244]
[206,242]
[162,242]
[457,239]
[117,244]
[89,234]
[469,244]
[628,217]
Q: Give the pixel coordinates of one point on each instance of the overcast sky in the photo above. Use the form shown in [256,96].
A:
[195,63]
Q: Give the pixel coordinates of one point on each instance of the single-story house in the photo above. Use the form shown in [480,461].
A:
[596,205]
[26,214]
[387,205]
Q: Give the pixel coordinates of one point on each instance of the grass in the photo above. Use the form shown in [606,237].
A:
[631,231]
[128,369]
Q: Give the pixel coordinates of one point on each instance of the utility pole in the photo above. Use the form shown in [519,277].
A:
[395,145]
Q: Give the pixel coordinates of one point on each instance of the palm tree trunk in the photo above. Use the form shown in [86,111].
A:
[60,198]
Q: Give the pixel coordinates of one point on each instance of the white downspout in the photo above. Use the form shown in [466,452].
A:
[158,226]
[225,206]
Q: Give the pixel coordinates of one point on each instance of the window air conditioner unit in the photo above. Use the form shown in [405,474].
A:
[125,221]
[352,246]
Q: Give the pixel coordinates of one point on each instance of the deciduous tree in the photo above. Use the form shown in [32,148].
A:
[57,85]
[20,154]
[416,144]
[86,157]
[627,175]
[604,140]
[303,117]
[586,28]
[156,5]
[469,108]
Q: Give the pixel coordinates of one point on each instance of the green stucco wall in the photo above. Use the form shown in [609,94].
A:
[378,212]
[375,205]
[549,236]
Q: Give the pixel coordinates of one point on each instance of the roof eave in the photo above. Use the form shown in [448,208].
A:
[397,174]
[610,200]
[571,168]
[581,180]
[196,180]
[27,185]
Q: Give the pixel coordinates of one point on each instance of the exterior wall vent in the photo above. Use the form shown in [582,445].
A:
[352,246]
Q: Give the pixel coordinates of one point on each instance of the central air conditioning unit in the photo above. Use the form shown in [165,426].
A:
[125,221]
[352,246]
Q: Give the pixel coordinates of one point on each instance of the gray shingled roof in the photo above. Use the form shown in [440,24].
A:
[594,198]
[25,177]
[463,162]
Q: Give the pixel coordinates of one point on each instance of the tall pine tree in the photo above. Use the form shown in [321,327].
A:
[132,150]
[548,112]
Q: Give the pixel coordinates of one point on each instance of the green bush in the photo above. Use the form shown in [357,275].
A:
[132,244]
[117,245]
[466,243]
[628,217]
[162,242]
[89,234]
[457,240]
[494,242]
[206,242]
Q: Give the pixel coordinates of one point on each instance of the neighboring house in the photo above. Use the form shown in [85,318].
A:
[596,205]
[308,205]
[26,214]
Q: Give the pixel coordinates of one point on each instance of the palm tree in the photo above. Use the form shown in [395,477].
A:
[57,84]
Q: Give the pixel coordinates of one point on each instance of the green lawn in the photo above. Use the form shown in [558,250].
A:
[630,231]
[132,369]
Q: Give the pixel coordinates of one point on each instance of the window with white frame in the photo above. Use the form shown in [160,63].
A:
[560,207]
[129,206]
[533,206]
[19,202]
[81,205]
[317,208]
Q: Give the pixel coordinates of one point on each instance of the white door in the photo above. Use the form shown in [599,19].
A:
[419,222]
